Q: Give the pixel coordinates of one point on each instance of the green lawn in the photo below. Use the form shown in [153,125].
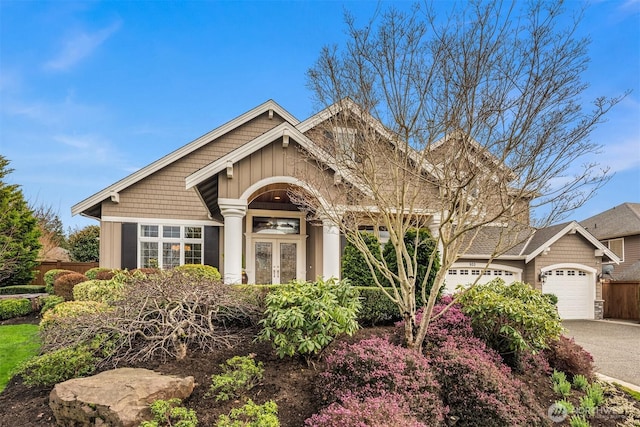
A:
[17,343]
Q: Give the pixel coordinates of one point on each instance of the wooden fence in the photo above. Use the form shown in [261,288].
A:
[80,267]
[621,300]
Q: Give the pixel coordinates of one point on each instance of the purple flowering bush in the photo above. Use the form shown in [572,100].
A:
[386,410]
[374,367]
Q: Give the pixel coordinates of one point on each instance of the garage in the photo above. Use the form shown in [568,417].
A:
[575,289]
[463,275]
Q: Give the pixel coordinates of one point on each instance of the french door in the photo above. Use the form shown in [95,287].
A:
[276,261]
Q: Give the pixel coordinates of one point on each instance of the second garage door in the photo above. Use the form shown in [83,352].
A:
[575,290]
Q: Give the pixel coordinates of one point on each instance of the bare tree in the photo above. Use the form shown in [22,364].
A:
[463,125]
[52,237]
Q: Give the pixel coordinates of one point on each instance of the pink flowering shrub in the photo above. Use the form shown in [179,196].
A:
[382,411]
[374,367]
[565,355]
[479,389]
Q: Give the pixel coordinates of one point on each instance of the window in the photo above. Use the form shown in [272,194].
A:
[168,246]
[453,272]
[617,247]
[267,225]
[475,272]
[487,273]
[508,273]
[464,272]
[497,272]
[581,273]
[571,272]
[559,272]
[345,139]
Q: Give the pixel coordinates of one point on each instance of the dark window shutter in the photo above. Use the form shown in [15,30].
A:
[212,246]
[129,250]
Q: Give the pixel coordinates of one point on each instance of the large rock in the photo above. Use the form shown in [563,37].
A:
[118,398]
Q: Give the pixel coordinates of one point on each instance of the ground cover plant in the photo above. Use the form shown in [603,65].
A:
[17,343]
[368,377]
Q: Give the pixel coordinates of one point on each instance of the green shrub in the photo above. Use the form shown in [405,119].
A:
[595,393]
[239,374]
[14,307]
[106,291]
[376,306]
[578,421]
[562,388]
[51,276]
[354,265]
[251,415]
[511,318]
[63,285]
[170,413]
[22,289]
[566,406]
[70,309]
[93,273]
[553,298]
[587,406]
[580,382]
[303,318]
[57,366]
[558,376]
[48,302]
[200,271]
[426,245]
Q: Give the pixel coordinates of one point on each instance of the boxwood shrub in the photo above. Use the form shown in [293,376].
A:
[106,291]
[71,309]
[22,289]
[200,271]
[51,276]
[376,308]
[14,307]
[63,285]
[57,366]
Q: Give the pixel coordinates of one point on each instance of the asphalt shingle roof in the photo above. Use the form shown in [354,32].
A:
[622,220]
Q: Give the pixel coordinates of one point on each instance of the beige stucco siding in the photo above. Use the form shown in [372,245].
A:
[110,244]
[163,194]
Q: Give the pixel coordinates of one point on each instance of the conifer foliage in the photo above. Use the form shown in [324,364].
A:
[19,233]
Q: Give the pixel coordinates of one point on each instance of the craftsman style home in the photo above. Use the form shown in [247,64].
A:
[224,200]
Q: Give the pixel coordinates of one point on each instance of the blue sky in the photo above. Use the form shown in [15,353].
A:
[92,91]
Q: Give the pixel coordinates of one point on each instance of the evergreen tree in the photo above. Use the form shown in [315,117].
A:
[84,244]
[19,233]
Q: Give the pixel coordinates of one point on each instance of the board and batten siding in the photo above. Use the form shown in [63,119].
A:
[110,244]
[163,194]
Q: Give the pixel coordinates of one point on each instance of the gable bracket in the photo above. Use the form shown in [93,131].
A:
[229,169]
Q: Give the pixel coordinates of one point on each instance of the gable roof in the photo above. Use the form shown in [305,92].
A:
[528,249]
[622,220]
[98,197]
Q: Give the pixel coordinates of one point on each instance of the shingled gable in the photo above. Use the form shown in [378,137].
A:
[90,206]
[529,248]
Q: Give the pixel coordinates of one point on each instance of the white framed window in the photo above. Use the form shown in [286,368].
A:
[475,272]
[582,273]
[168,245]
[453,272]
[497,272]
[487,273]
[345,139]
[617,247]
[571,272]
[559,272]
[464,272]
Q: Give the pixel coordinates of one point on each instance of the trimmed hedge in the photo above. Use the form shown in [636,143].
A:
[106,291]
[99,273]
[71,309]
[63,286]
[200,271]
[10,308]
[376,308]
[22,289]
[51,275]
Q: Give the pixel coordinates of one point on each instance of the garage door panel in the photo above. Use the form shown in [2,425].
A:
[575,292]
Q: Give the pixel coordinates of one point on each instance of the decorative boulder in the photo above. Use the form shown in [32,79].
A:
[116,398]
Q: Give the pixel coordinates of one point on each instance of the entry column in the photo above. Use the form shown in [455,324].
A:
[330,249]
[233,211]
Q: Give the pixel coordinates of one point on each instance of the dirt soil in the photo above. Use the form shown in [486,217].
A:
[290,382]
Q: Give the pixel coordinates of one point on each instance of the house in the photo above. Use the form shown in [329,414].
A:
[619,230]
[562,259]
[224,200]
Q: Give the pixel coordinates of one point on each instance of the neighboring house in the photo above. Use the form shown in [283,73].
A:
[619,229]
[223,200]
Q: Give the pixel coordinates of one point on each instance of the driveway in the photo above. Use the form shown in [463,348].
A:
[615,346]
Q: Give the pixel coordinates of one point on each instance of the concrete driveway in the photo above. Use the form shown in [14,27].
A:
[615,346]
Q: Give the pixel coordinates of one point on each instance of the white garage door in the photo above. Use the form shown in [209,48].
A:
[575,291]
[467,275]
